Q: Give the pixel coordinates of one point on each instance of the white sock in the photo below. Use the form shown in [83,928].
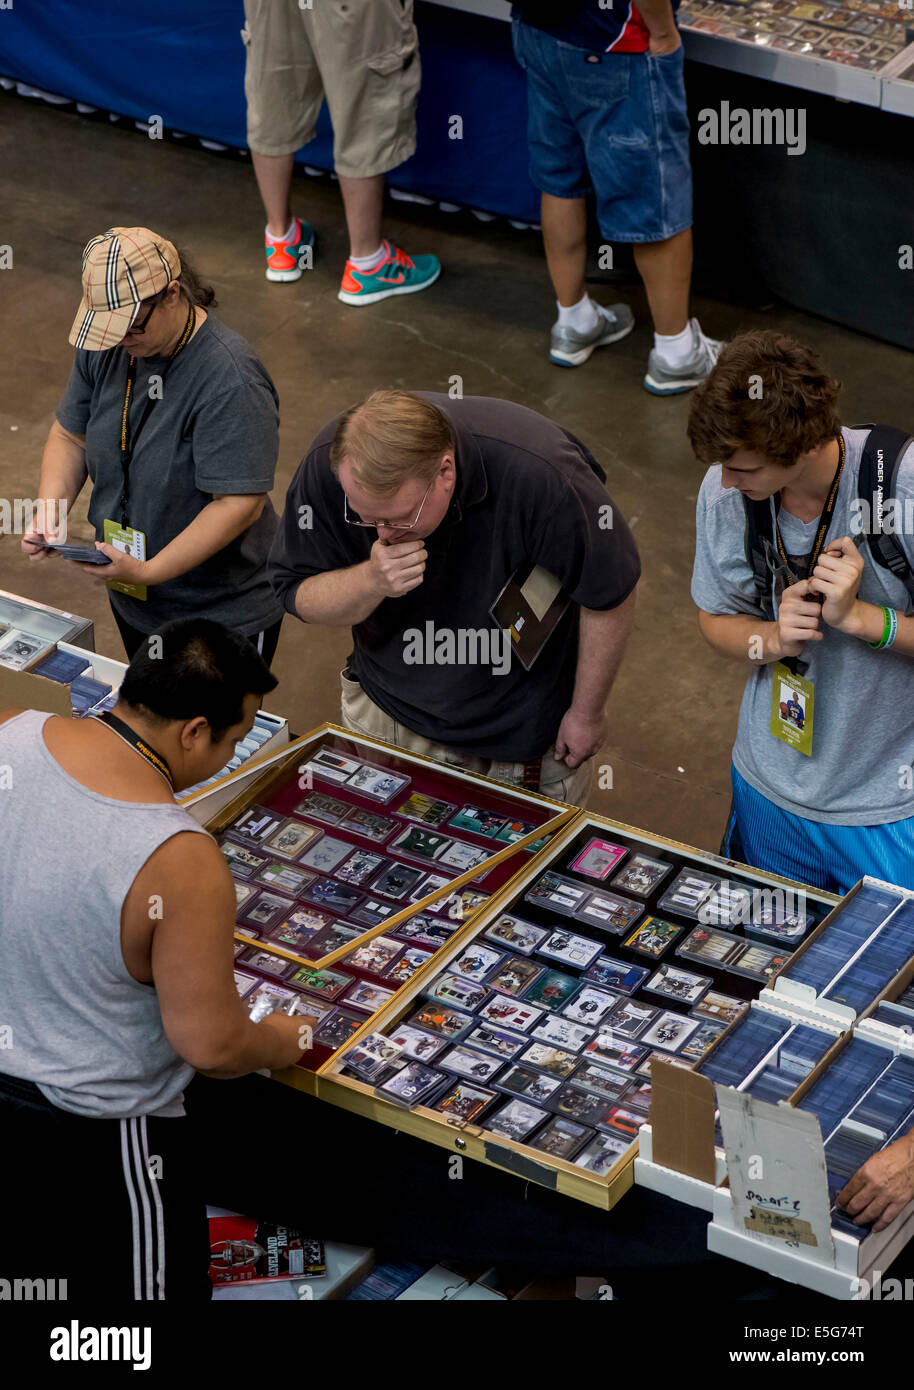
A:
[289,236]
[366,263]
[582,317]
[677,348]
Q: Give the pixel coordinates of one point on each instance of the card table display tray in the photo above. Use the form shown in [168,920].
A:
[528,1041]
[355,864]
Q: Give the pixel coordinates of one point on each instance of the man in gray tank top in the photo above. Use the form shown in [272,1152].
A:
[116,937]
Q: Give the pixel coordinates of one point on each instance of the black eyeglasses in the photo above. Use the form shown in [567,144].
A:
[153,305]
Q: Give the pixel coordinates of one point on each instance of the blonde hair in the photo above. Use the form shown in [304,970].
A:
[390,438]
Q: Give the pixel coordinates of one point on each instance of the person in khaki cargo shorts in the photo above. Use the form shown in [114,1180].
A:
[363,57]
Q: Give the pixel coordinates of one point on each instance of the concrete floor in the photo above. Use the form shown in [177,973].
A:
[66,178]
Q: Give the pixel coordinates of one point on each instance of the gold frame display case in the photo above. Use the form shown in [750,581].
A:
[602,1189]
[275,941]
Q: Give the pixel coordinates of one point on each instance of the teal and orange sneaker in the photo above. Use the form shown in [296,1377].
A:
[285,258]
[397,274]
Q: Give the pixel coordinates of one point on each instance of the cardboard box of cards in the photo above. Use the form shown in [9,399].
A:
[354,864]
[530,1044]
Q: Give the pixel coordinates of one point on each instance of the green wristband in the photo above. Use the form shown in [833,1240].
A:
[886,629]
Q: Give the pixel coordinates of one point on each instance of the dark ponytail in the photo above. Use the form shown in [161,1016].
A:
[193,288]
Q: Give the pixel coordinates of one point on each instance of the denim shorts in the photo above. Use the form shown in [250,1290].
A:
[617,128]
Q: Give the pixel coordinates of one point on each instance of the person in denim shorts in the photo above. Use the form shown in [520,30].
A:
[607,117]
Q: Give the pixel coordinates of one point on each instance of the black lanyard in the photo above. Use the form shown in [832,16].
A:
[824,523]
[128,444]
[125,732]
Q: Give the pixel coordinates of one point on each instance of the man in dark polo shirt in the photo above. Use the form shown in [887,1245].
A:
[407,518]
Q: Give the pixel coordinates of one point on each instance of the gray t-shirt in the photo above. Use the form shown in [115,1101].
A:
[863,716]
[214,432]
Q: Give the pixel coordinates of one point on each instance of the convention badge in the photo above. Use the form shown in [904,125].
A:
[791,708]
[130,542]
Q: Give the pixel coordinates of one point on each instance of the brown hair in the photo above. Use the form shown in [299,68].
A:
[192,287]
[789,408]
[389,438]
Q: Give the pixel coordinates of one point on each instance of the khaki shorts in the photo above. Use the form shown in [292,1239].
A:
[362,55]
[557,781]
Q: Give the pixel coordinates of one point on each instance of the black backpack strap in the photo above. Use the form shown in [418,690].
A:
[883,451]
[758,550]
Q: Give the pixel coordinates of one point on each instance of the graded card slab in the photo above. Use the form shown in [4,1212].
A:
[618,1056]
[608,1085]
[372,912]
[516,830]
[244,982]
[561,1032]
[551,991]
[370,824]
[267,908]
[368,997]
[460,856]
[728,905]
[376,955]
[405,967]
[426,810]
[616,974]
[330,938]
[370,1057]
[554,1060]
[463,1060]
[326,854]
[561,1138]
[479,821]
[255,824]
[624,1123]
[761,962]
[711,947]
[628,1019]
[570,949]
[688,891]
[610,911]
[641,875]
[601,1154]
[476,962]
[336,1030]
[495,1041]
[515,933]
[417,843]
[377,783]
[242,860]
[558,894]
[360,866]
[326,984]
[324,808]
[509,1013]
[291,839]
[417,1045]
[444,1022]
[528,1084]
[464,1103]
[412,1085]
[268,964]
[589,1005]
[337,897]
[516,1120]
[724,1007]
[653,936]
[598,859]
[288,878]
[451,989]
[574,1103]
[514,976]
[703,1038]
[678,984]
[397,880]
[330,765]
[457,907]
[670,1031]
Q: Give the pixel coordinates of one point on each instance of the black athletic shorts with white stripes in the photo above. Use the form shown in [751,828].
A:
[114,1207]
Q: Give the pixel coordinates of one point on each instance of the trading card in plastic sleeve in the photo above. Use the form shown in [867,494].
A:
[373,1055]
[414,1084]
[516,934]
[674,983]
[463,1104]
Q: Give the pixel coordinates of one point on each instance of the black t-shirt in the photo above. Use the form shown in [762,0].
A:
[527,492]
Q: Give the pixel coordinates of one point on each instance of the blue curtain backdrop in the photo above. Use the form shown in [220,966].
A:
[185,63]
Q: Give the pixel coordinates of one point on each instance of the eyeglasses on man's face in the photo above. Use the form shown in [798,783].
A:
[355,520]
[140,327]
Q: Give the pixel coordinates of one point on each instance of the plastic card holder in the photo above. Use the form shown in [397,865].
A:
[845,1082]
[744,1047]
